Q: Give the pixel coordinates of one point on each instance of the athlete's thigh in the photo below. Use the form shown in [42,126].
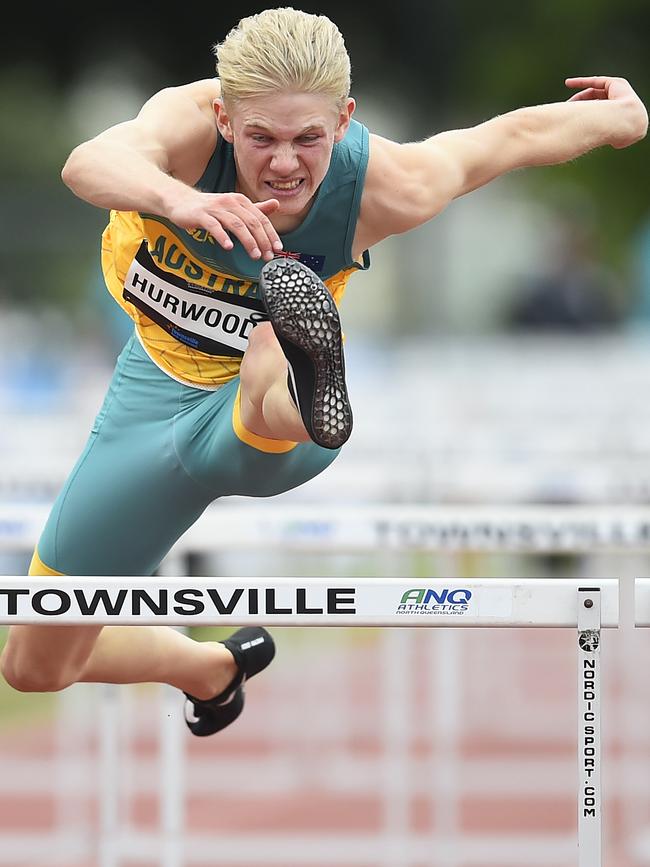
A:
[216,449]
[128,499]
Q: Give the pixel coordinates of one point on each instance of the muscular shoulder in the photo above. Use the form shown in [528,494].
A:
[196,98]
[183,120]
[175,129]
[399,193]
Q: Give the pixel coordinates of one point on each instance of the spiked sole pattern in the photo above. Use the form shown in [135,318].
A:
[307,325]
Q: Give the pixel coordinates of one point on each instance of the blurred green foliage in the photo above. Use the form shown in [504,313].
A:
[49,240]
[34,141]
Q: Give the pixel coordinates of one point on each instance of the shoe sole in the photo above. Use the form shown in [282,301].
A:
[306,322]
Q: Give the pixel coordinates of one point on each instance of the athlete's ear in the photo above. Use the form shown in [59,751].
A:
[344,118]
[223,120]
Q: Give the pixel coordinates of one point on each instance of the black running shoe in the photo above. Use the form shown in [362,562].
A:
[306,322]
[253,649]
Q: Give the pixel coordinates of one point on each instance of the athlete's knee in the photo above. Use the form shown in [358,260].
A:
[24,676]
[26,671]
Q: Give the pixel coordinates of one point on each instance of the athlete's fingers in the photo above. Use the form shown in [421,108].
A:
[256,224]
[236,225]
[262,229]
[584,81]
[214,227]
[253,220]
[604,87]
[233,214]
[255,217]
[269,206]
[589,93]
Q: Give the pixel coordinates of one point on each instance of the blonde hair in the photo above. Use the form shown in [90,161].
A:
[283,49]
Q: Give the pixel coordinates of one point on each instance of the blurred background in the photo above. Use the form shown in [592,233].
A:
[498,356]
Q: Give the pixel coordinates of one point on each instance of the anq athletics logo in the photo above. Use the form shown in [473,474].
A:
[435,602]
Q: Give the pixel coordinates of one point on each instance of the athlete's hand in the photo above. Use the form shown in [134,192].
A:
[633,118]
[223,213]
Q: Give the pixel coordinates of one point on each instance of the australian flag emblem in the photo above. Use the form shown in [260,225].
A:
[311,260]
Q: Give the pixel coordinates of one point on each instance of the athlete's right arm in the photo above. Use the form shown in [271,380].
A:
[149,164]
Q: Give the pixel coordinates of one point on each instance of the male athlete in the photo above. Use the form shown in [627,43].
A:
[239,208]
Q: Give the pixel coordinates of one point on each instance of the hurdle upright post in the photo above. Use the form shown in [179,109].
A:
[171,736]
[108,842]
[589,746]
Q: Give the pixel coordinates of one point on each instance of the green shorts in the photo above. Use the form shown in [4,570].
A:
[158,454]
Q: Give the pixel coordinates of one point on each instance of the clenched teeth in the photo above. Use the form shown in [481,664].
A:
[285,185]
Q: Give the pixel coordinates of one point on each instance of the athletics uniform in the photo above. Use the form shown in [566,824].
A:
[168,439]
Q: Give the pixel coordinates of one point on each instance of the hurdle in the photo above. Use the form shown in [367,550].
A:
[642,602]
[642,621]
[583,605]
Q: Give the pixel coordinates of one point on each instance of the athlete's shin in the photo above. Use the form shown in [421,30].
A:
[281,414]
[266,406]
[159,654]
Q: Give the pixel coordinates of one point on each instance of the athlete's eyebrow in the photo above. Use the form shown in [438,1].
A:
[256,124]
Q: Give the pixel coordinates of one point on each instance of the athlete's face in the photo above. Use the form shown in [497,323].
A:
[283,145]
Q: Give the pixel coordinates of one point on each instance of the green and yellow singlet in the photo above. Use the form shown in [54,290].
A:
[194,303]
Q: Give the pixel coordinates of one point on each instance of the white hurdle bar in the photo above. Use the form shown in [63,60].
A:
[78,601]
[584,605]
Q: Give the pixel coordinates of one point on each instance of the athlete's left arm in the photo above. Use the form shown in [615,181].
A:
[408,184]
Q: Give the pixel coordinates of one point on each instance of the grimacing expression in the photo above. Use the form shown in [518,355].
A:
[283,144]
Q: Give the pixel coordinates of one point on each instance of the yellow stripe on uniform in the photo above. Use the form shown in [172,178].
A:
[37,567]
[262,444]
